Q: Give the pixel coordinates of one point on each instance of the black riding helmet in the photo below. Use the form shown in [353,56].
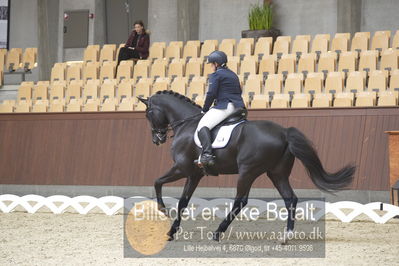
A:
[218,57]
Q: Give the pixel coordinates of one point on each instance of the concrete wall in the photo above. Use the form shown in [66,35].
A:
[295,17]
[380,15]
[221,19]
[23,24]
[162,20]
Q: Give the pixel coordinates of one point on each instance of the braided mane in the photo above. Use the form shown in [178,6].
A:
[179,96]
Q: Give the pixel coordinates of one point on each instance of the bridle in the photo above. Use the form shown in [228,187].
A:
[161,132]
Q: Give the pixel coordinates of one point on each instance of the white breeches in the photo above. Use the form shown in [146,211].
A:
[215,116]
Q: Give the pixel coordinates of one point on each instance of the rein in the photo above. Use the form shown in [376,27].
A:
[173,125]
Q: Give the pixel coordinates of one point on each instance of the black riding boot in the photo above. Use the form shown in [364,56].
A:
[207,157]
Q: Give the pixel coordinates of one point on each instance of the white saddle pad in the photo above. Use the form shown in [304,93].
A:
[222,137]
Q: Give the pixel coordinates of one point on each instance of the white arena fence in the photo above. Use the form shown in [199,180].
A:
[111,205]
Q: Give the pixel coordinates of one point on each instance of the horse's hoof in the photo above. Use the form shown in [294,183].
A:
[216,236]
[286,236]
[171,238]
[164,211]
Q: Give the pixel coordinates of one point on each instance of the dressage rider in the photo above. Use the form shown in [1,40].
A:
[225,90]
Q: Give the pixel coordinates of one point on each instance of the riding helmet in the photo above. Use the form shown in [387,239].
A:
[218,57]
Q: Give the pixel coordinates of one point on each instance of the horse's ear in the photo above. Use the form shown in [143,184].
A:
[143,100]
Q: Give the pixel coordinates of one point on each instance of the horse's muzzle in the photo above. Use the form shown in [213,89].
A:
[158,138]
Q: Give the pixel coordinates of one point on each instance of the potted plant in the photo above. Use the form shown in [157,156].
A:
[260,20]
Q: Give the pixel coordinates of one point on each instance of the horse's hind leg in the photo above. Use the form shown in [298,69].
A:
[280,178]
[172,175]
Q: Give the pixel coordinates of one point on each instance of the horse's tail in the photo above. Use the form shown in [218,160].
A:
[303,149]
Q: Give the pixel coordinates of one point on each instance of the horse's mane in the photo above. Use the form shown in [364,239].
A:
[179,96]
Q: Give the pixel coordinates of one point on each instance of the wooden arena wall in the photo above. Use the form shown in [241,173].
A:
[115,148]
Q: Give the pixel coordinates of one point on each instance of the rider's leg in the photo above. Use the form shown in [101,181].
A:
[209,121]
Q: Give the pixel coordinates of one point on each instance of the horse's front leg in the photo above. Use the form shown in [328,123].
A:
[189,187]
[172,175]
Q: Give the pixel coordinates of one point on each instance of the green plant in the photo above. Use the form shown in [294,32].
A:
[260,16]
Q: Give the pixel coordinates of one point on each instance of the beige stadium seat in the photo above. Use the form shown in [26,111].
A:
[263,47]
[162,44]
[191,50]
[107,90]
[25,93]
[268,65]
[173,51]
[280,101]
[380,42]
[355,81]
[244,48]
[57,92]
[156,51]
[193,68]
[161,84]
[364,99]
[40,92]
[323,36]
[368,60]
[141,70]
[58,72]
[322,100]
[327,62]
[360,43]
[394,80]
[176,68]
[293,83]
[74,72]
[143,88]
[29,59]
[7,106]
[90,92]
[343,99]
[377,81]
[196,87]
[334,82]
[281,46]
[314,83]
[347,61]
[305,37]
[158,68]
[74,90]
[177,43]
[248,66]
[91,53]
[22,107]
[179,85]
[363,34]
[207,70]
[126,104]
[389,59]
[194,42]
[125,88]
[260,101]
[395,40]
[125,71]
[345,35]
[56,106]
[284,38]
[274,84]
[387,98]
[108,106]
[319,45]
[108,70]
[40,106]
[108,53]
[13,59]
[227,47]
[74,105]
[208,47]
[248,40]
[233,63]
[300,100]
[339,44]
[307,63]
[118,50]
[253,85]
[287,64]
[300,46]
[90,106]
[91,70]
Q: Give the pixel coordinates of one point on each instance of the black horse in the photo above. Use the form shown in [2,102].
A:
[256,147]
